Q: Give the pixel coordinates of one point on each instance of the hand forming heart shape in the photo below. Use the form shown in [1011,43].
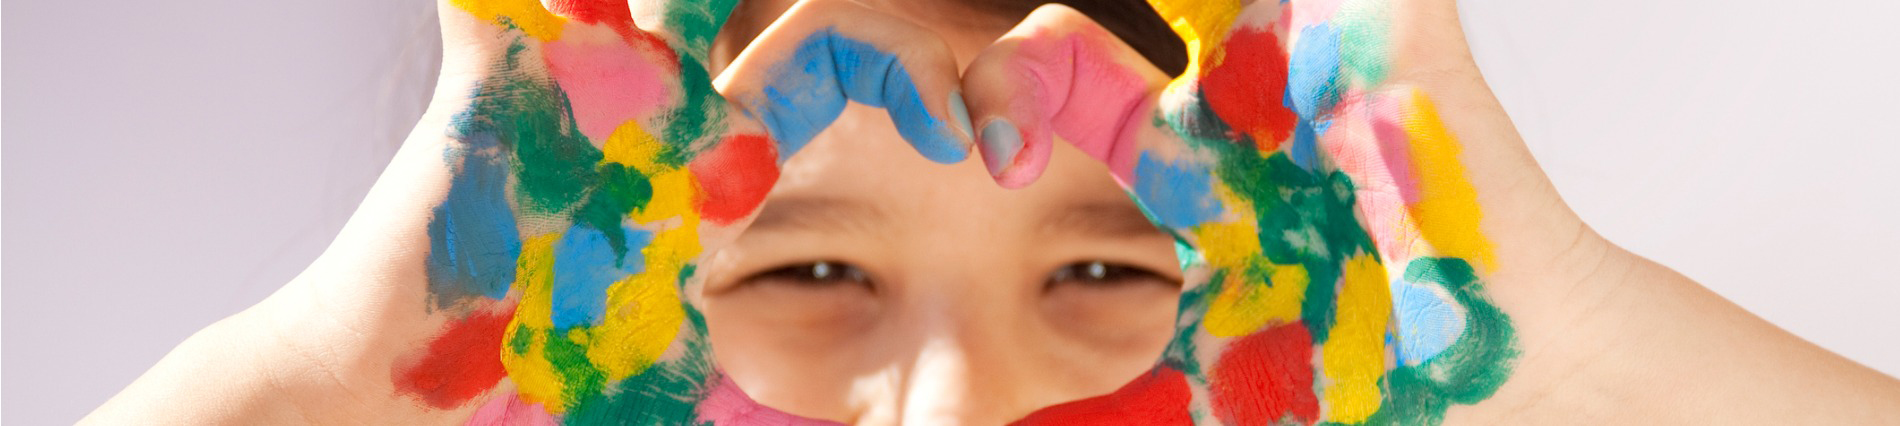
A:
[595,161]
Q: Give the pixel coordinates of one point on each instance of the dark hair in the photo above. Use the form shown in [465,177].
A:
[1134,21]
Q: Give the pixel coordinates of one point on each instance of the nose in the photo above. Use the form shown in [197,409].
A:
[966,365]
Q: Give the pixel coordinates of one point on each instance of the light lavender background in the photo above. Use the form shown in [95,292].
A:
[169,163]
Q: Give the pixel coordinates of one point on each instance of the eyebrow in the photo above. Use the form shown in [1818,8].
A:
[818,213]
[1113,219]
[1096,218]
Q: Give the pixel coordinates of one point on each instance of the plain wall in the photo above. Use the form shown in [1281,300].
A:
[169,163]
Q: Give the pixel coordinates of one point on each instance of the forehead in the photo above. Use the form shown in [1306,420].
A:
[861,159]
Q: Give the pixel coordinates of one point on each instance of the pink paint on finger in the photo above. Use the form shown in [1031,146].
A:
[609,80]
[1076,88]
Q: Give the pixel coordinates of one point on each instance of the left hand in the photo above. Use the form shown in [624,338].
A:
[1319,195]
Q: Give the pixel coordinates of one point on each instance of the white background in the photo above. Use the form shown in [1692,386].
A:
[169,163]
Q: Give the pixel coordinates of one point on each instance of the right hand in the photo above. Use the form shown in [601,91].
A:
[595,161]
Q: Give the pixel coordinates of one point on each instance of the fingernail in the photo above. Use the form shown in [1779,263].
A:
[960,113]
[1001,142]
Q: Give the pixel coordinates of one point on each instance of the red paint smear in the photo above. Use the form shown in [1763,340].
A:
[460,364]
[1248,88]
[735,176]
[1157,398]
[613,13]
[1266,377]
[593,11]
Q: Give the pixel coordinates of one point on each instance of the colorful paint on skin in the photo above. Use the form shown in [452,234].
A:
[1180,193]
[509,410]
[1089,87]
[1341,231]
[1159,397]
[460,364]
[735,177]
[806,92]
[473,242]
[726,404]
[583,211]
[565,207]
[1266,378]
[1252,88]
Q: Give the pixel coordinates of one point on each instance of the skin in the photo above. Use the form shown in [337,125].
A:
[1605,335]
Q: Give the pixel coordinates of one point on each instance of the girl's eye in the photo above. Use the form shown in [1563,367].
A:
[1104,274]
[815,274]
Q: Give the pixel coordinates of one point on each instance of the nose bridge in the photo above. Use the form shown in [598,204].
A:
[961,372]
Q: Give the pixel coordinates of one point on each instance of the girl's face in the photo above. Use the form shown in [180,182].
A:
[876,286]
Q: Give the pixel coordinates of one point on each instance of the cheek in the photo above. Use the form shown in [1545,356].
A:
[791,352]
[1123,323]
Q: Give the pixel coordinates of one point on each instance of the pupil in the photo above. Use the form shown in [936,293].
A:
[1097,270]
[821,270]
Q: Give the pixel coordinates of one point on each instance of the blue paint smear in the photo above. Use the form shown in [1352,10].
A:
[1178,195]
[1428,320]
[585,264]
[1312,81]
[473,242]
[808,91]
[1305,149]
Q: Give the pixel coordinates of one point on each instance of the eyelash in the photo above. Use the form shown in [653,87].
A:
[1101,274]
[823,273]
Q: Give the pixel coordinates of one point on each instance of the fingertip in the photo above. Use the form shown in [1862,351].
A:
[960,115]
[1001,142]
[946,140]
[1009,154]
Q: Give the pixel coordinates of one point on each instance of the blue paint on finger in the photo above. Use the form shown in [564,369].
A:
[807,91]
[585,265]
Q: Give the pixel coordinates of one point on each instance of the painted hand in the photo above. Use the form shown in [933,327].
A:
[1322,205]
[594,163]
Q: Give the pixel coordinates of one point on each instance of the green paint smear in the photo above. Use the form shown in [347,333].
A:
[701,112]
[531,118]
[1366,27]
[579,379]
[1192,310]
[623,190]
[1469,371]
[666,393]
[524,338]
[1305,218]
[697,23]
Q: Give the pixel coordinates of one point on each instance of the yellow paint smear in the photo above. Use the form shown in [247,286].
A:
[1232,244]
[1354,352]
[644,310]
[1244,307]
[1447,211]
[528,15]
[535,378]
[1203,25]
[633,146]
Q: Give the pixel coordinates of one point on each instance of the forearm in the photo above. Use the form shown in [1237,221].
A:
[1647,344]
[314,352]
[216,376]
